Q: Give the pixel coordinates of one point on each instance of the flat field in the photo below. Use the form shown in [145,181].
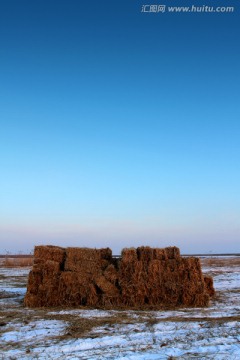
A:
[196,333]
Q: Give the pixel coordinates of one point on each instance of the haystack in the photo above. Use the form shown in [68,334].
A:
[142,278]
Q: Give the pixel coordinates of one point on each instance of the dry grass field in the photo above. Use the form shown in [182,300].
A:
[186,333]
[17,261]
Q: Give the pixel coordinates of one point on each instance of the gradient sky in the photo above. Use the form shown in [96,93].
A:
[119,128]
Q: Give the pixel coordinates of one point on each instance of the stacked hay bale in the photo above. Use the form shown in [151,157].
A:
[70,277]
[43,280]
[161,276]
[84,269]
[142,277]
[209,285]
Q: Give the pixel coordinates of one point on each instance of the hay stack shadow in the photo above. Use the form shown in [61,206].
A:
[141,278]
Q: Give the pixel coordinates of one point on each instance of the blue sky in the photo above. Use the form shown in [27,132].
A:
[119,128]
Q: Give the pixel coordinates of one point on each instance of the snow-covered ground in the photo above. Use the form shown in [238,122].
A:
[199,333]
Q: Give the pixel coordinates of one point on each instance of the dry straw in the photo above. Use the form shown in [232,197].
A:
[142,278]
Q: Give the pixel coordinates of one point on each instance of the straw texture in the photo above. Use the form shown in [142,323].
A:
[142,278]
